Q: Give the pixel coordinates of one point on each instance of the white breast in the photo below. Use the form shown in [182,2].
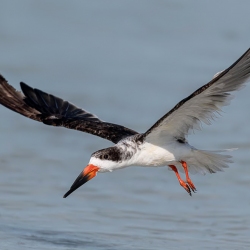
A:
[153,155]
[145,154]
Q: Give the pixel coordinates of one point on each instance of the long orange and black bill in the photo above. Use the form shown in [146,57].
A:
[87,174]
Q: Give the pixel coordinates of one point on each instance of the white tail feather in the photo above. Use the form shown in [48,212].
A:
[205,161]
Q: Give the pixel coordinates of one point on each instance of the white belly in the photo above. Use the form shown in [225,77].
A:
[152,155]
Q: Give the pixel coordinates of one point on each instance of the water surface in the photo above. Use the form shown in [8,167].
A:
[128,62]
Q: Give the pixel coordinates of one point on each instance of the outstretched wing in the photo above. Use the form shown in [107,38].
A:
[51,110]
[203,104]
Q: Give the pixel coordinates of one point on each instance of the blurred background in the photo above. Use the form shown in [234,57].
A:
[129,62]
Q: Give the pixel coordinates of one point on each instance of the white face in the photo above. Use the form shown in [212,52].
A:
[104,165]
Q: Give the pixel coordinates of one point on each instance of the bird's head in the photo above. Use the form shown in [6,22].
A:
[101,161]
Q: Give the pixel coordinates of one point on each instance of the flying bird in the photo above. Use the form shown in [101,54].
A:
[163,144]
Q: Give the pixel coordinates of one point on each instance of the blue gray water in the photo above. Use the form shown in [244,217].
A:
[129,62]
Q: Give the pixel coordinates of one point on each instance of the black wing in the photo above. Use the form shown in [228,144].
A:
[51,110]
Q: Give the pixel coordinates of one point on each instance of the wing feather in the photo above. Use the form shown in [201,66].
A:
[52,110]
[204,104]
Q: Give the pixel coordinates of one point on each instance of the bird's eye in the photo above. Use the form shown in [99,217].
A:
[106,156]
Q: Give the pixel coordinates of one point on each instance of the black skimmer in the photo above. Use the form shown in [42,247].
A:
[164,144]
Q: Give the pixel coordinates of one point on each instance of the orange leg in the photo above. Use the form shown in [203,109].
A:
[182,183]
[190,183]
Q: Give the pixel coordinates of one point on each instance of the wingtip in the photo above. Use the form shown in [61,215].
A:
[28,91]
[231,149]
[2,79]
[23,85]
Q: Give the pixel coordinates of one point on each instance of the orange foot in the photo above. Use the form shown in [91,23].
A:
[182,183]
[190,183]
[185,186]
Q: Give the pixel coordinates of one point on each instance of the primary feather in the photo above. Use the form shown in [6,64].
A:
[203,104]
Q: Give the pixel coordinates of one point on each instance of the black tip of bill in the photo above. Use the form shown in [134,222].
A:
[80,180]
[68,193]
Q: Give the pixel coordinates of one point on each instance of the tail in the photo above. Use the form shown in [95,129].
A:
[205,161]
